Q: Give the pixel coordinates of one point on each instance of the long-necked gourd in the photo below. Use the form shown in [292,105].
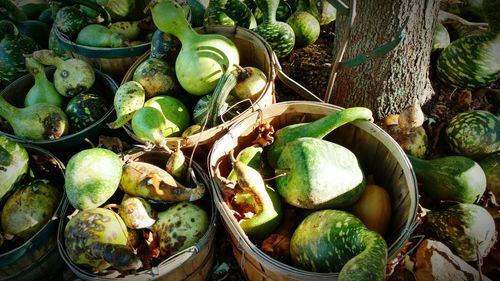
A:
[277,33]
[41,121]
[72,76]
[472,61]
[13,47]
[455,178]
[203,58]
[316,129]
[43,91]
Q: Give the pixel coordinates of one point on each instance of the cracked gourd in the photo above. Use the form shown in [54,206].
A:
[203,58]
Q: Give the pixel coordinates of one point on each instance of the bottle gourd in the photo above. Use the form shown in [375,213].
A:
[43,91]
[203,58]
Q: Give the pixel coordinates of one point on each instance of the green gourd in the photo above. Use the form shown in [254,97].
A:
[305,27]
[128,29]
[455,178]
[14,165]
[337,241]
[473,133]
[129,98]
[323,10]
[157,77]
[177,165]
[266,202]
[440,37]
[227,12]
[43,91]
[472,61]
[316,129]
[491,168]
[13,47]
[468,229]
[203,58]
[278,34]
[96,35]
[40,121]
[70,20]
[164,46]
[72,76]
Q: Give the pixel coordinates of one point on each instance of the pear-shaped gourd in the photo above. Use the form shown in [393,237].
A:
[43,91]
[251,82]
[157,77]
[278,34]
[177,165]
[455,178]
[40,121]
[472,61]
[203,58]
[71,77]
[97,35]
[129,98]
[129,30]
[136,212]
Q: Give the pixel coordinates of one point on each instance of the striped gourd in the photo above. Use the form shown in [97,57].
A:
[279,35]
[227,12]
[473,61]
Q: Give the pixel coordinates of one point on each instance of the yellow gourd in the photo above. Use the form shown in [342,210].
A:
[373,208]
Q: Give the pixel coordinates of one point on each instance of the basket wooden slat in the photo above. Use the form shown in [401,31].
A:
[378,154]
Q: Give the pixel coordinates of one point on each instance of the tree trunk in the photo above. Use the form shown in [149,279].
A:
[398,79]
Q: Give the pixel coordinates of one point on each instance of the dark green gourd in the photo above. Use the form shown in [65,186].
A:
[473,61]
[43,91]
[13,47]
[203,58]
[337,241]
[305,27]
[41,121]
[227,12]
[278,34]
[455,178]
[70,20]
[164,46]
[323,10]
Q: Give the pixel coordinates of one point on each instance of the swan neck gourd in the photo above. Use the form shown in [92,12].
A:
[172,19]
[8,111]
[269,9]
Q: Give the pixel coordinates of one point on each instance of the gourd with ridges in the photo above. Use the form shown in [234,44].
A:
[474,133]
[203,58]
[472,61]
[333,241]
[13,47]
[278,34]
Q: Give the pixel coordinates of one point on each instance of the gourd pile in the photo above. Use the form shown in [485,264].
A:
[65,104]
[29,194]
[131,214]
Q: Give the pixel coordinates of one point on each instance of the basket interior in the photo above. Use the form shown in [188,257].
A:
[377,153]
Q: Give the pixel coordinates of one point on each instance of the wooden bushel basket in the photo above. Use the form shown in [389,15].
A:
[194,263]
[254,51]
[378,154]
[38,258]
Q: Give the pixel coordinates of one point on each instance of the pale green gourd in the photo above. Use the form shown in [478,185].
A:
[43,91]
[96,35]
[71,77]
[129,98]
[203,58]
[41,121]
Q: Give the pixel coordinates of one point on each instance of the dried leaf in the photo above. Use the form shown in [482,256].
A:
[265,135]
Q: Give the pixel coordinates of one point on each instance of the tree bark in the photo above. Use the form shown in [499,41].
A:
[398,79]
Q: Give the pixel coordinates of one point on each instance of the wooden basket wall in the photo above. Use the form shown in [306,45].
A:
[194,263]
[377,152]
[254,51]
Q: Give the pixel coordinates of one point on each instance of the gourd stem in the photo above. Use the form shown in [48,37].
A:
[8,111]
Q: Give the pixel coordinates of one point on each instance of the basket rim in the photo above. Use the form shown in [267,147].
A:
[246,246]
[98,52]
